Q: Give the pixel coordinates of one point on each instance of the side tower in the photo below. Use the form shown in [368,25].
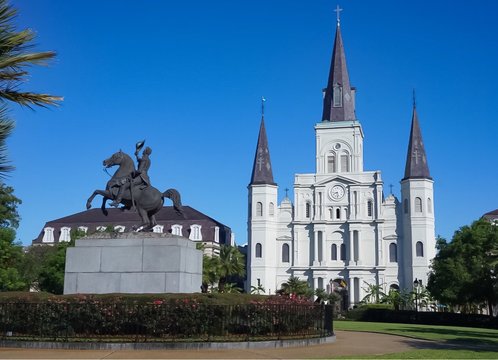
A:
[417,201]
[262,224]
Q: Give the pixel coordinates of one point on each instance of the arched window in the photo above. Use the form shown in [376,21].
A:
[259,209]
[333,252]
[419,249]
[418,205]
[331,163]
[65,234]
[176,229]
[405,206]
[337,95]
[48,235]
[259,250]
[394,287]
[271,209]
[343,252]
[195,232]
[331,214]
[393,253]
[285,253]
[345,162]
[429,205]
[337,213]
[308,210]
[370,208]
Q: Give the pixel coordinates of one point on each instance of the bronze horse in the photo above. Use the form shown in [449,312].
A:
[147,199]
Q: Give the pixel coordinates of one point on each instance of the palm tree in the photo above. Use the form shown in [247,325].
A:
[210,265]
[296,287]
[231,263]
[14,61]
[373,293]
[258,289]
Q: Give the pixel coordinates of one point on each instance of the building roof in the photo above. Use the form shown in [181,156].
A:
[416,159]
[262,172]
[167,216]
[492,215]
[339,77]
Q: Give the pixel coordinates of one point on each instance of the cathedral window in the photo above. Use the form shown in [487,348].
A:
[393,253]
[369,208]
[176,230]
[331,213]
[333,252]
[344,163]
[337,95]
[405,206]
[418,205]
[308,210]
[195,232]
[271,210]
[337,213]
[285,253]
[419,249]
[331,163]
[259,250]
[65,234]
[343,251]
[429,205]
[259,209]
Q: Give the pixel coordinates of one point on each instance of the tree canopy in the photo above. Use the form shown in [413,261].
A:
[464,271]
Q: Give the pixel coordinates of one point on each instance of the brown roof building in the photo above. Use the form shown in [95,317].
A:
[193,225]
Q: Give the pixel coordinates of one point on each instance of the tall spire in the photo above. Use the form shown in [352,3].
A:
[338,101]
[416,160]
[262,171]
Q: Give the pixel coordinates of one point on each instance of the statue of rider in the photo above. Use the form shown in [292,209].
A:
[141,176]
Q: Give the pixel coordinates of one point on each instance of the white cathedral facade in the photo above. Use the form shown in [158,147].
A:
[341,231]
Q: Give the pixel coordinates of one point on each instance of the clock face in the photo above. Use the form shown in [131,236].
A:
[336,192]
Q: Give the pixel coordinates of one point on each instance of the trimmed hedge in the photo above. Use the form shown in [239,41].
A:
[422,317]
[160,317]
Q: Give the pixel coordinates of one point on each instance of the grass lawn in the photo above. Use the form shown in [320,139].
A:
[473,343]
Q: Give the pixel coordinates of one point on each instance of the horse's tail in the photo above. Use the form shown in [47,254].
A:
[174,196]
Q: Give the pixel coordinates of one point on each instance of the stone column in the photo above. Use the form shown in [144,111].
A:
[351,248]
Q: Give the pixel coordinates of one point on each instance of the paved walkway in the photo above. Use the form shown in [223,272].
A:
[347,343]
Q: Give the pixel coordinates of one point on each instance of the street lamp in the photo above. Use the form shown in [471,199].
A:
[416,284]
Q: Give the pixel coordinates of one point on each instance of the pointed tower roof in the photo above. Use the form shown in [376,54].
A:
[416,160]
[262,171]
[338,104]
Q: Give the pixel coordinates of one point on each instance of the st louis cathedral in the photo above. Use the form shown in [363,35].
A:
[341,232]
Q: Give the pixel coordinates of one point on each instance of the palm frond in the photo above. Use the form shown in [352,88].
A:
[16,61]
[28,98]
[6,127]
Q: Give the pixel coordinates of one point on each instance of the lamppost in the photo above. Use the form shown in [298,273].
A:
[416,284]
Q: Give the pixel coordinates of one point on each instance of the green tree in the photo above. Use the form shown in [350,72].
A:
[11,253]
[231,264]
[15,59]
[210,271]
[373,293]
[257,289]
[463,271]
[297,287]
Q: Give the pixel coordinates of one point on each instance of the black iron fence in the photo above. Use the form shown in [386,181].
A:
[123,322]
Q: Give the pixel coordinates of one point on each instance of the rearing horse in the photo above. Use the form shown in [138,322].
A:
[147,199]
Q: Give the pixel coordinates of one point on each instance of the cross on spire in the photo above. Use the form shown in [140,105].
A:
[416,155]
[338,11]
[286,192]
[391,187]
[263,100]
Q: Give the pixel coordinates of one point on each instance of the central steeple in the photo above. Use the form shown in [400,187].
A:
[338,101]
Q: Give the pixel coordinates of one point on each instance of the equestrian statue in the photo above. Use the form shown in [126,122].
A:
[132,188]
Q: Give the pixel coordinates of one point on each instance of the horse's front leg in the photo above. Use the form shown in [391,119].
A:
[104,193]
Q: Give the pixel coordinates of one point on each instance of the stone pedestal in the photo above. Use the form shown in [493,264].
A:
[134,263]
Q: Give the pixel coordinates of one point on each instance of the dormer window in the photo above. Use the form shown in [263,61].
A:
[337,95]
[195,232]
[65,234]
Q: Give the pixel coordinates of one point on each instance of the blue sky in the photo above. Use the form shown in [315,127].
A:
[188,77]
